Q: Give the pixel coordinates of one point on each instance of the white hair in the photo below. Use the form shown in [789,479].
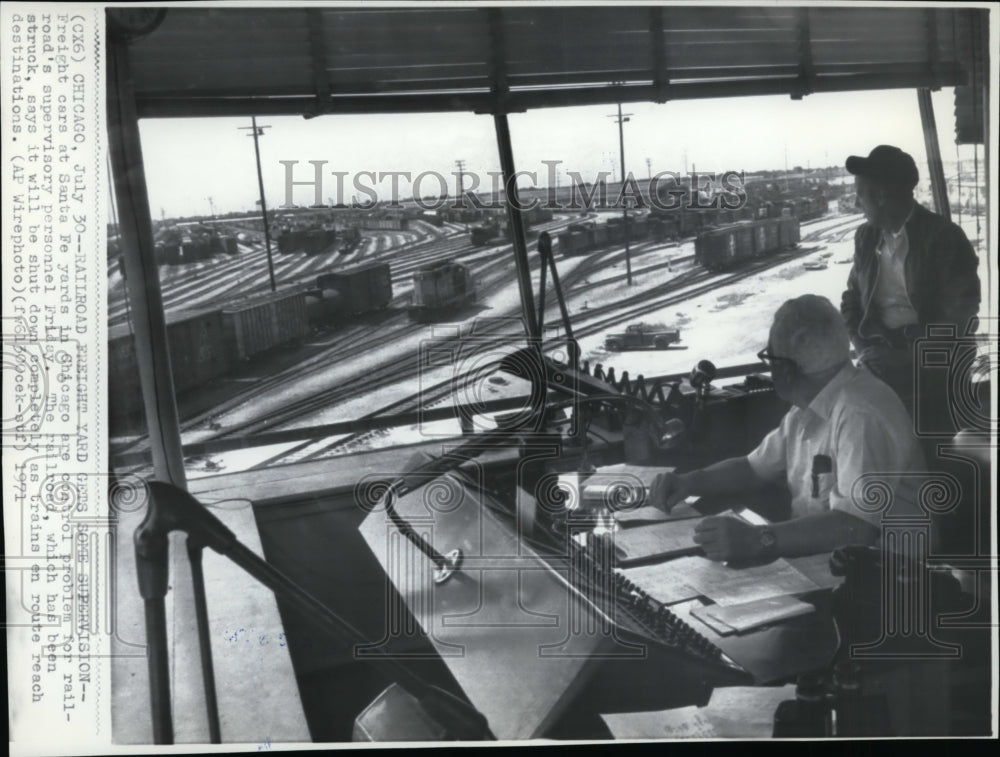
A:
[810,331]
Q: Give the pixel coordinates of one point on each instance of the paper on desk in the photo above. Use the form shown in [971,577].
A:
[746,711]
[747,615]
[656,539]
[665,582]
[648,513]
[725,585]
[644,474]
[682,723]
[734,712]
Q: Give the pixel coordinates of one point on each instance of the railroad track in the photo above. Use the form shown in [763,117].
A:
[686,285]
[385,375]
[429,396]
[496,263]
[405,366]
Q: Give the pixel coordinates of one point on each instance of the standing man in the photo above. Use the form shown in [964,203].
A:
[845,427]
[912,269]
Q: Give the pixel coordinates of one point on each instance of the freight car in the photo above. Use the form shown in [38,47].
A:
[179,246]
[727,246]
[439,289]
[494,228]
[810,207]
[257,324]
[489,232]
[200,350]
[205,344]
[579,238]
[350,238]
[848,203]
[312,241]
[350,291]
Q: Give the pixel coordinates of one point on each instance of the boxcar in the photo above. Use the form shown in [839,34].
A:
[637,229]
[765,237]
[199,352]
[575,240]
[788,231]
[288,241]
[662,227]
[599,235]
[724,247]
[256,324]
[439,288]
[360,288]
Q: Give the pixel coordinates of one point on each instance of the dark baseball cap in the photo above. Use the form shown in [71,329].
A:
[886,164]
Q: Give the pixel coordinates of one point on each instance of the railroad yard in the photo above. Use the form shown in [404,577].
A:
[378,362]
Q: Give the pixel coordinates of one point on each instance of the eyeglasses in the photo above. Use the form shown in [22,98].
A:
[767,358]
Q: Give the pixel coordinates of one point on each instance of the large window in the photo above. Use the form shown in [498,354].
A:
[391,270]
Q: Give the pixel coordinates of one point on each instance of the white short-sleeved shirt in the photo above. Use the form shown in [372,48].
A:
[858,423]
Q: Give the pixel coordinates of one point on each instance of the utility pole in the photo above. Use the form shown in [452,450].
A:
[257,131]
[460,164]
[621,119]
[460,198]
[211,206]
[649,169]
[786,166]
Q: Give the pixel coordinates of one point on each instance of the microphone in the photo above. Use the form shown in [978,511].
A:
[702,375]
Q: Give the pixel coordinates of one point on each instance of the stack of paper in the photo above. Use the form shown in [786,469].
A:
[665,582]
[658,541]
[736,712]
[738,618]
[726,585]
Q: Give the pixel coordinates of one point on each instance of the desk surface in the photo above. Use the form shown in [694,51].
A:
[502,601]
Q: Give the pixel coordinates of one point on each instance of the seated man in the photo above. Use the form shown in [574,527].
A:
[844,423]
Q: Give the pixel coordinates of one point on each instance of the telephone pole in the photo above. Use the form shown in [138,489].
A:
[621,119]
[255,132]
[460,165]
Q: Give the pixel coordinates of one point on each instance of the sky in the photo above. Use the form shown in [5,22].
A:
[188,161]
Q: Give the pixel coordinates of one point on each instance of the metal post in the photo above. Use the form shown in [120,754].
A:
[146,302]
[256,131]
[158,667]
[938,187]
[194,550]
[621,147]
[514,216]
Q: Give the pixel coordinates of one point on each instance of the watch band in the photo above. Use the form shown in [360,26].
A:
[767,542]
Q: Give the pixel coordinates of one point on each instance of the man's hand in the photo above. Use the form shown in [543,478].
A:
[667,490]
[724,537]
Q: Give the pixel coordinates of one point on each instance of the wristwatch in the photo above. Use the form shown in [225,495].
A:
[767,542]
